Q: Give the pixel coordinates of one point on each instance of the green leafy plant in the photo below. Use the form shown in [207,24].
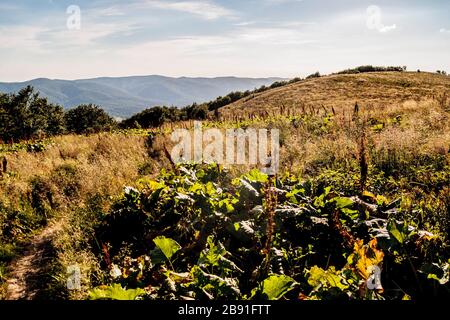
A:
[115,292]
[275,287]
[210,233]
[167,246]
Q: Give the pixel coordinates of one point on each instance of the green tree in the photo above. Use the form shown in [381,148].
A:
[154,117]
[26,115]
[88,118]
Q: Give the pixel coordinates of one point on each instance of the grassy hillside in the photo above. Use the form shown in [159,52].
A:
[54,181]
[358,186]
[370,90]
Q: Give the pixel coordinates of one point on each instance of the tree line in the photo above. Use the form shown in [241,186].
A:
[369,68]
[156,116]
[25,115]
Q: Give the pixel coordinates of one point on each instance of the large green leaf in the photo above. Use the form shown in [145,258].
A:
[342,202]
[167,246]
[327,278]
[212,255]
[398,231]
[257,176]
[440,273]
[115,292]
[276,286]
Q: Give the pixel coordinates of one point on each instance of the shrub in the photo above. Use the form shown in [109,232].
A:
[369,68]
[197,112]
[25,115]
[88,119]
[314,75]
[153,117]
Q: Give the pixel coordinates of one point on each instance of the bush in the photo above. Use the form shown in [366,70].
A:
[25,115]
[153,117]
[88,119]
[197,112]
[314,75]
[365,69]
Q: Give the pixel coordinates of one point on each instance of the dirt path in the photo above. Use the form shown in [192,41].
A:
[29,270]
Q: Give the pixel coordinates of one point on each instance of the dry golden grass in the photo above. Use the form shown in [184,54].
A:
[420,101]
[74,169]
[103,164]
[341,92]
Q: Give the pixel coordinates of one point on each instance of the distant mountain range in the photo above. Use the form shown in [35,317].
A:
[124,96]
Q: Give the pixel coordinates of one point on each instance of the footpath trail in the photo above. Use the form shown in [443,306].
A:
[29,271]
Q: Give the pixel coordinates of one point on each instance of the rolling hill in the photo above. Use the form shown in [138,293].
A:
[122,97]
[338,91]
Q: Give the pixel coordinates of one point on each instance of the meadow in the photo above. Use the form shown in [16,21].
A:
[358,210]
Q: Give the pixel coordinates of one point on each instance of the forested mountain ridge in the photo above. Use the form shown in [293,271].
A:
[124,96]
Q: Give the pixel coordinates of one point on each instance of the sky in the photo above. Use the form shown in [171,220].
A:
[73,39]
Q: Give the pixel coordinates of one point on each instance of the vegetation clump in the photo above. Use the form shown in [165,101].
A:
[364,69]
[88,119]
[25,115]
[198,233]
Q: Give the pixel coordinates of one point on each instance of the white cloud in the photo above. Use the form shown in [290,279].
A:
[443,30]
[178,48]
[36,39]
[384,28]
[275,24]
[111,11]
[205,9]
[296,24]
[244,23]
[240,53]
[88,35]
[267,40]
[281,1]
[274,36]
[23,37]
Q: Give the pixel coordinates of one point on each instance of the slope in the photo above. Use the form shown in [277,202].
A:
[343,91]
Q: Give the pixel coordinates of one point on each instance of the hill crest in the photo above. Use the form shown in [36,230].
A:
[339,90]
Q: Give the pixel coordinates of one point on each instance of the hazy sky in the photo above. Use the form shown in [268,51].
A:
[255,38]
